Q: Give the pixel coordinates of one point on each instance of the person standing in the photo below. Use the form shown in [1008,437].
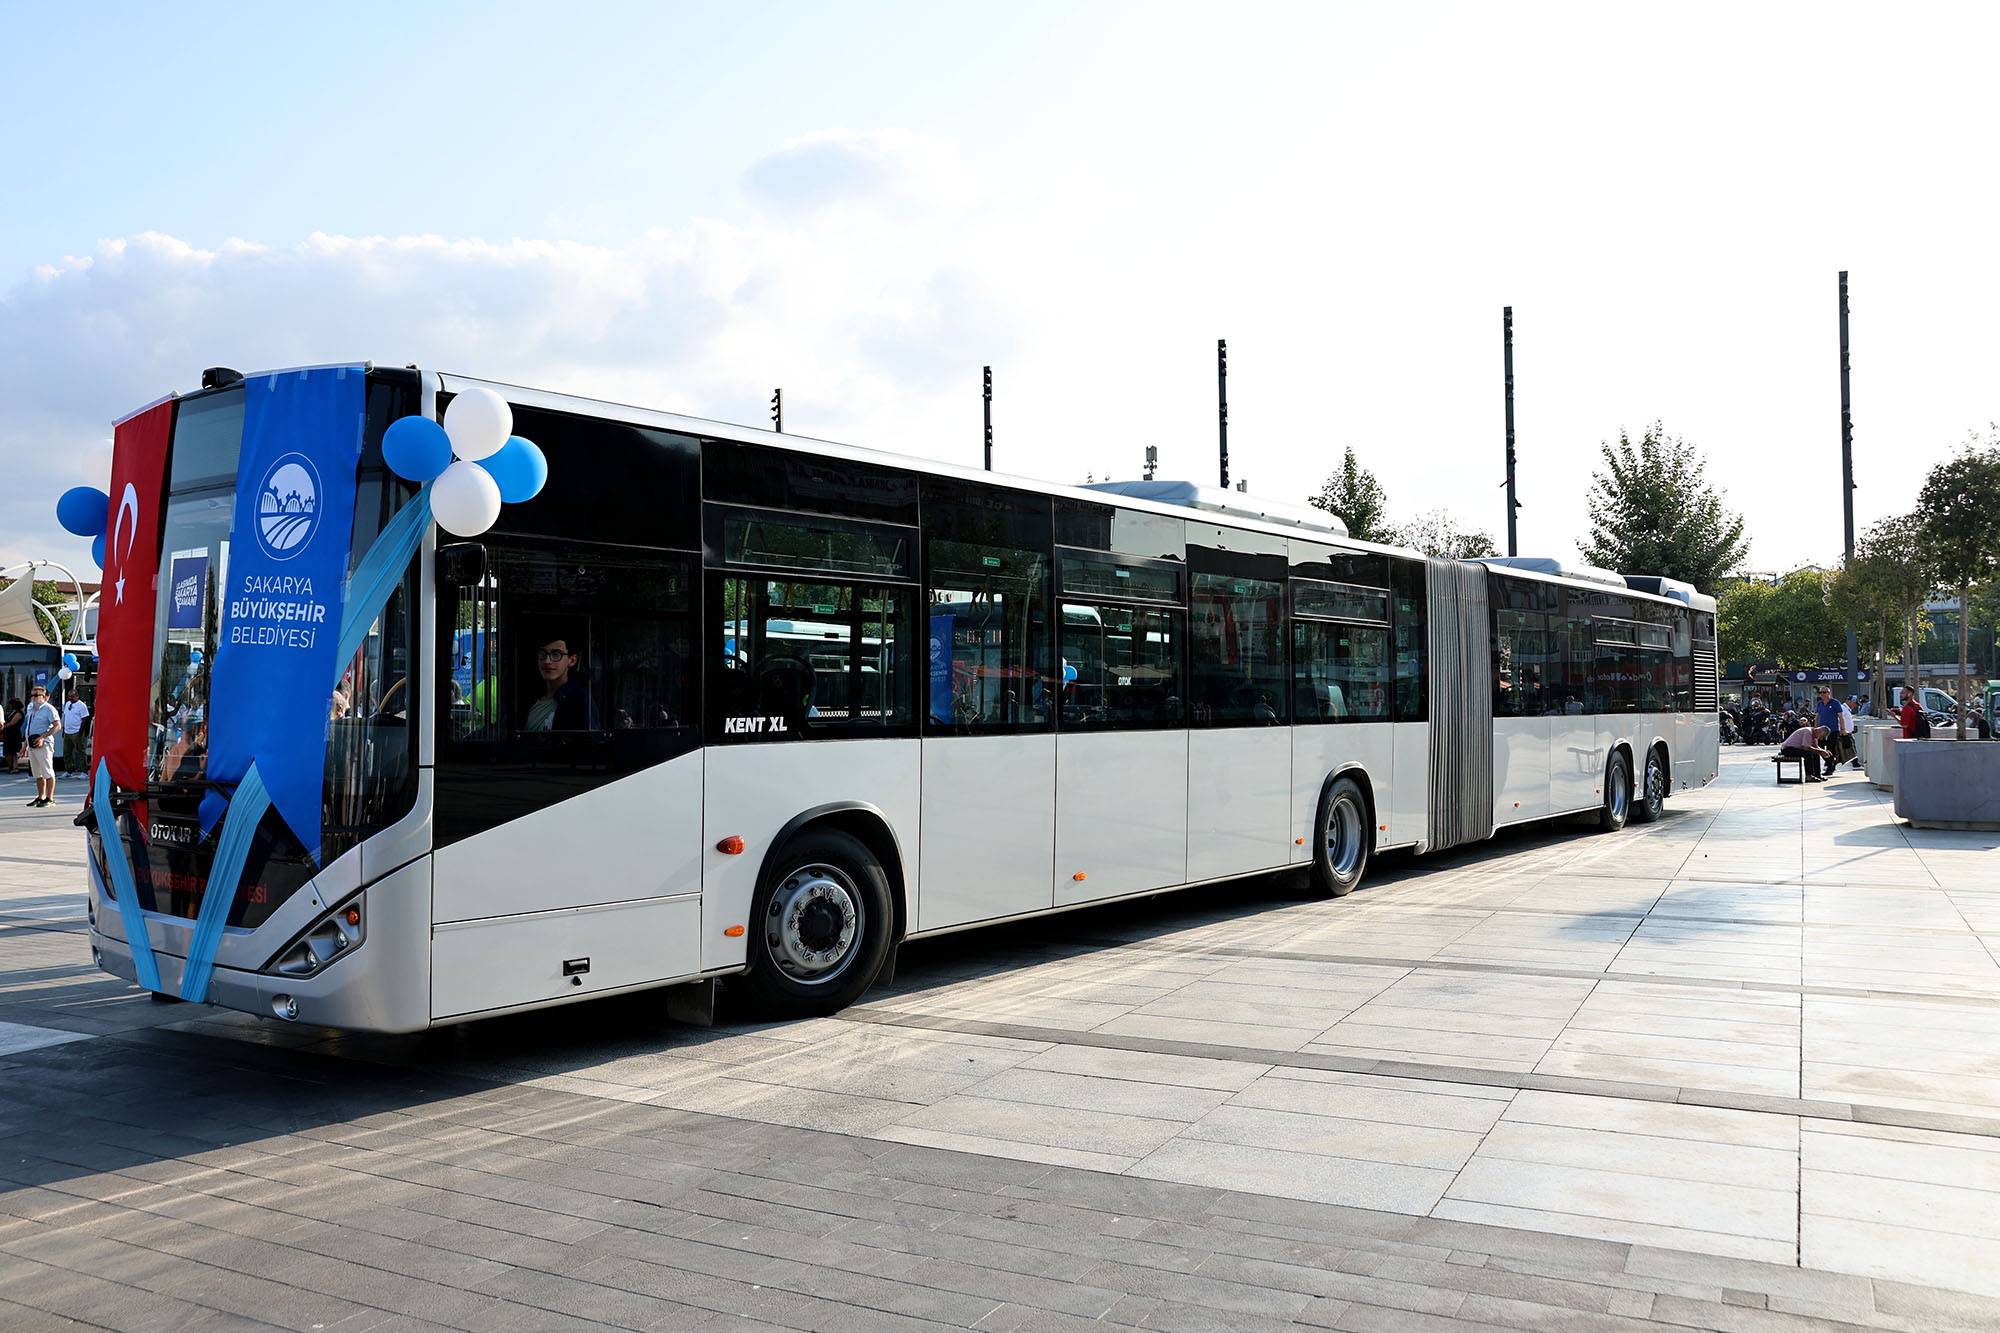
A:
[42,726]
[76,725]
[1846,746]
[1827,711]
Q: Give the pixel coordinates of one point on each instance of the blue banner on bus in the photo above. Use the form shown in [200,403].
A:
[287,577]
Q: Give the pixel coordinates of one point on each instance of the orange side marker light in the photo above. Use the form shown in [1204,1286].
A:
[1079,875]
[733,932]
[730,846]
[1300,841]
[353,916]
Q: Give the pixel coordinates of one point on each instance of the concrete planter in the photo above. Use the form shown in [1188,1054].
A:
[1880,758]
[1943,784]
[1865,735]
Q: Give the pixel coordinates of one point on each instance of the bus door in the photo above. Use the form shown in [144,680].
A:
[990,704]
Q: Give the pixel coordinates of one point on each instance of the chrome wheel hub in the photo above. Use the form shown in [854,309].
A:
[812,923]
[1344,841]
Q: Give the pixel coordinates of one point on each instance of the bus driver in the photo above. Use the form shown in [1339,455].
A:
[565,702]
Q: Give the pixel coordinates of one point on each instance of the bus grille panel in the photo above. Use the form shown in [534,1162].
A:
[1705,700]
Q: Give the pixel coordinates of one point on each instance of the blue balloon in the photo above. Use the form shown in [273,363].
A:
[416,449]
[519,469]
[69,660]
[84,511]
[194,654]
[97,549]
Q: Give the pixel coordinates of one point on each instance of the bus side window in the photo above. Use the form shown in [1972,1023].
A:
[987,581]
[1413,699]
[567,667]
[798,659]
[1121,667]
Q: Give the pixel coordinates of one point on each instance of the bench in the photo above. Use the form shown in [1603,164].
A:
[1798,764]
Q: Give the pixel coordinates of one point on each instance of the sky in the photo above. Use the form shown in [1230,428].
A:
[685,206]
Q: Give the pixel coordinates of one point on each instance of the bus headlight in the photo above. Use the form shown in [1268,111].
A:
[335,934]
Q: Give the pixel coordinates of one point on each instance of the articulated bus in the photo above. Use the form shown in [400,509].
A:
[721,703]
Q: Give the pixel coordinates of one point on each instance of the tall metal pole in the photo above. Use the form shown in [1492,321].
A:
[989,418]
[1507,356]
[1847,469]
[1222,403]
[778,410]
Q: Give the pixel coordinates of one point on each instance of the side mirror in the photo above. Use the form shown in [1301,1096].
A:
[461,565]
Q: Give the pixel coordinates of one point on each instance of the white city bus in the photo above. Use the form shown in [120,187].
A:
[810,701]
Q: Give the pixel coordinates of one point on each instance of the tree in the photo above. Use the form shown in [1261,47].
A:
[1437,534]
[1886,585]
[1353,496]
[1960,531]
[1788,622]
[1651,513]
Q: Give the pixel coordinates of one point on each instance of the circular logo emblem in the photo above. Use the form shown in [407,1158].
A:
[288,507]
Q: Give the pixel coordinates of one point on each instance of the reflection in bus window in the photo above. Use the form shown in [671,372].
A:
[800,659]
[566,667]
[1237,651]
[1340,673]
[1121,667]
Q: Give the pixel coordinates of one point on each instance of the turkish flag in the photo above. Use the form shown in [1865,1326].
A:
[126,605]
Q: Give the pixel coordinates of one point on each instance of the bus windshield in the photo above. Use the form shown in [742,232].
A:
[370,720]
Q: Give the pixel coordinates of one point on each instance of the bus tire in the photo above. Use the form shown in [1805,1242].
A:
[1617,793]
[1341,838]
[820,926]
[1651,797]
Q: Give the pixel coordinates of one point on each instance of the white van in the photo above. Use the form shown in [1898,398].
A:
[1929,698]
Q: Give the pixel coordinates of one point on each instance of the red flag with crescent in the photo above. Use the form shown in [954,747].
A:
[126,605]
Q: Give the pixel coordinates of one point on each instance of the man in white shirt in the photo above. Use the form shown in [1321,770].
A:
[76,716]
[1847,735]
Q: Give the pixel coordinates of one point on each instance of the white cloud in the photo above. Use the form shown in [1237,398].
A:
[872,274]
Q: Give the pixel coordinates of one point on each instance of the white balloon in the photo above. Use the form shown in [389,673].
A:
[478,422]
[96,465]
[465,499]
[64,673]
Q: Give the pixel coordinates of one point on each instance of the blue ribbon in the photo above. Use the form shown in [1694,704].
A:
[368,591]
[122,887]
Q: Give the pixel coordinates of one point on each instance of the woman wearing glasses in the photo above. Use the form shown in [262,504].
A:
[565,701]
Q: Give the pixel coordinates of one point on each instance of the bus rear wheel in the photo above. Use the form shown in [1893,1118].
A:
[1341,838]
[819,927]
[1617,793]
[1651,798]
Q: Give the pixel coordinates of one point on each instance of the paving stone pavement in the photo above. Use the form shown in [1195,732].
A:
[1739,1069]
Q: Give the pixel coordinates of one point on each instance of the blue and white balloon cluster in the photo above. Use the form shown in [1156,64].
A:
[473,463]
[85,511]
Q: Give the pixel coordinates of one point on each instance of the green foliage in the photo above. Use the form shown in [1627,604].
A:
[1959,531]
[1353,496]
[1651,513]
[1882,590]
[1788,622]
[1437,534]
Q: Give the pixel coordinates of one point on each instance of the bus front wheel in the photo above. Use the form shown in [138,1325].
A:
[819,927]
[1341,840]
[1617,793]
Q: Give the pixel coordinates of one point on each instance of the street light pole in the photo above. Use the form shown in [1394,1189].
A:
[1847,473]
[989,418]
[1222,404]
